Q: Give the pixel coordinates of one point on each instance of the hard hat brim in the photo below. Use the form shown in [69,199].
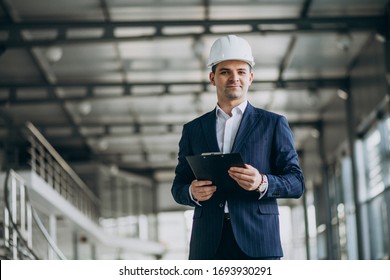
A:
[250,62]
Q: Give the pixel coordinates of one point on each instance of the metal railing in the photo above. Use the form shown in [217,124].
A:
[25,236]
[49,165]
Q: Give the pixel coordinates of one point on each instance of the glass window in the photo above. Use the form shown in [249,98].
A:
[376,162]
[387,151]
[373,162]
[378,227]
[388,132]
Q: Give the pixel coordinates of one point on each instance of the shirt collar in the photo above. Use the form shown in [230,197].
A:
[240,107]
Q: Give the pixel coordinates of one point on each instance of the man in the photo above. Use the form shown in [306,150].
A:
[242,223]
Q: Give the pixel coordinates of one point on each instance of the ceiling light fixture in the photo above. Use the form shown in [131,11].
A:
[114,170]
[102,145]
[342,94]
[343,42]
[85,108]
[314,133]
[380,38]
[54,54]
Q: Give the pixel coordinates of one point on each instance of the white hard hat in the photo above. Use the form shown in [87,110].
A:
[230,47]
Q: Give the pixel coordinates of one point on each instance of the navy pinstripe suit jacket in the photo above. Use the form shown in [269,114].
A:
[264,141]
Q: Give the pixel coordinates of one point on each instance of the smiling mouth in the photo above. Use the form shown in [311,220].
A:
[233,86]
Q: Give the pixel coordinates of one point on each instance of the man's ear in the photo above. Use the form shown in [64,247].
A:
[211,78]
[251,77]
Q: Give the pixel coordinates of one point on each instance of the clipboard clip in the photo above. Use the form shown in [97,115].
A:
[211,154]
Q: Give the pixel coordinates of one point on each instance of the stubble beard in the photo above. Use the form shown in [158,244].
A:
[233,94]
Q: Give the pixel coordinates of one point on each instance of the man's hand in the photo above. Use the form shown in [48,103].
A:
[202,190]
[248,178]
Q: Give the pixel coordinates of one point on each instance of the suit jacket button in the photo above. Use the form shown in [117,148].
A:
[221,205]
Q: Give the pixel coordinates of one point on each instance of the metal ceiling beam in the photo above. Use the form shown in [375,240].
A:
[291,46]
[43,128]
[107,28]
[48,77]
[292,123]
[305,23]
[4,7]
[12,89]
[287,83]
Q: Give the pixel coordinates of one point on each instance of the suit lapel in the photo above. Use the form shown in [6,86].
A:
[210,131]
[248,123]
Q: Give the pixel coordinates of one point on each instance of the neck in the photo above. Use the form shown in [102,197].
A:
[227,107]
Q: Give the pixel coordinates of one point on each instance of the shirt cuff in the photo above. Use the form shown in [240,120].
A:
[192,198]
[262,194]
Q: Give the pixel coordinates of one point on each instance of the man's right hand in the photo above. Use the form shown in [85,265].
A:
[202,190]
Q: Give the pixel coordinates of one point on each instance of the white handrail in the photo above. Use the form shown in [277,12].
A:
[18,226]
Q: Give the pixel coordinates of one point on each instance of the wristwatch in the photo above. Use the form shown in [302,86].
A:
[263,185]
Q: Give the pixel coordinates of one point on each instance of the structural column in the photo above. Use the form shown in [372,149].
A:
[53,234]
[351,129]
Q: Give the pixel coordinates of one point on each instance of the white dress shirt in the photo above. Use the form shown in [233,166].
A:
[227,127]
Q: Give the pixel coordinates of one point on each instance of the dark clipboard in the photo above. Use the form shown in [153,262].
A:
[214,167]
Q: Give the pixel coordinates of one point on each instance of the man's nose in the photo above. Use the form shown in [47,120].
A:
[234,77]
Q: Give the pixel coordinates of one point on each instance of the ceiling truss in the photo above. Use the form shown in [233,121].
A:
[12,30]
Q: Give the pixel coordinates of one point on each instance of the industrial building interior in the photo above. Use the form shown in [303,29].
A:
[94,95]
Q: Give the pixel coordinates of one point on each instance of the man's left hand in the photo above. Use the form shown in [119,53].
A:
[247,177]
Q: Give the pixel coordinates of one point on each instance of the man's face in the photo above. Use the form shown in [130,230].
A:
[232,79]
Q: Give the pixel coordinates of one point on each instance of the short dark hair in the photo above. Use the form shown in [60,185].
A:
[214,68]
